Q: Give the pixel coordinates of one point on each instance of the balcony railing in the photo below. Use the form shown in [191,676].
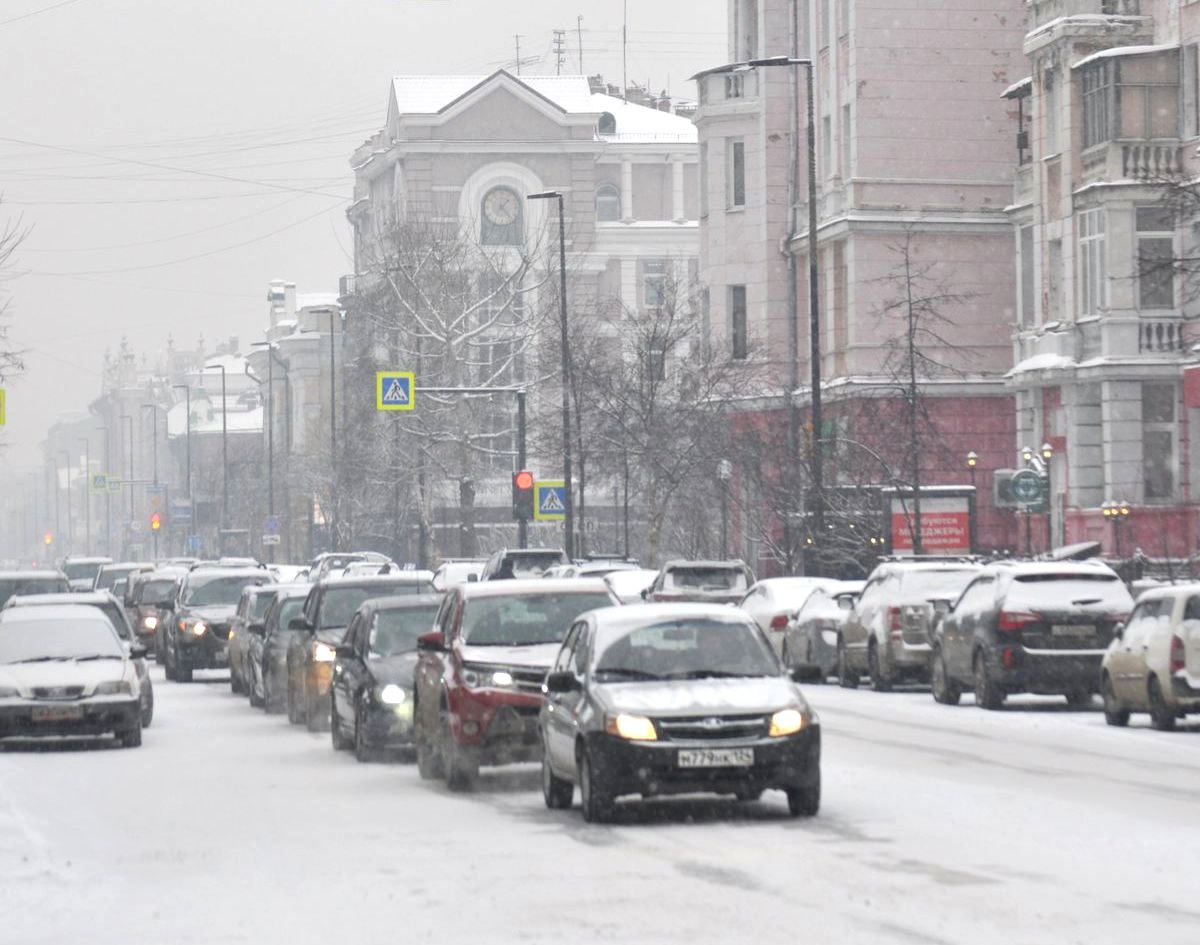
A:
[1046,10]
[1132,160]
[1155,335]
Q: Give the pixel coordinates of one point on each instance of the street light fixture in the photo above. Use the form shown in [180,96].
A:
[569,506]
[1047,456]
[972,462]
[1118,514]
[1026,455]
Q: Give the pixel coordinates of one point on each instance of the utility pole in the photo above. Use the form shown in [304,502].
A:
[187,391]
[331,516]
[70,527]
[625,53]
[87,494]
[518,39]
[579,33]
[560,50]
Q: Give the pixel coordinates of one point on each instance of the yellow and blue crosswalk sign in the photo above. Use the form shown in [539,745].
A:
[395,390]
[550,500]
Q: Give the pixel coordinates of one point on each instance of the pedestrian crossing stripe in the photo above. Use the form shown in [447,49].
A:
[394,390]
[550,501]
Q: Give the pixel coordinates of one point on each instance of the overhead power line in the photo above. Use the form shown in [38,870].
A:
[26,16]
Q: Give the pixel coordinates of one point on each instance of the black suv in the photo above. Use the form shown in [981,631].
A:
[197,636]
[508,563]
[1028,627]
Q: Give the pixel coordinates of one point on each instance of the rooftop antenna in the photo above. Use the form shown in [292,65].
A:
[560,50]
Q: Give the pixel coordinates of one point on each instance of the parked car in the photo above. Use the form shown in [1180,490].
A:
[887,634]
[513,563]
[329,564]
[772,602]
[453,571]
[1029,627]
[64,671]
[268,664]
[592,568]
[247,621]
[81,571]
[629,585]
[810,640]
[32,582]
[109,574]
[706,582]
[151,603]
[112,610]
[371,707]
[289,573]
[197,637]
[691,698]
[1153,664]
[480,672]
[330,605]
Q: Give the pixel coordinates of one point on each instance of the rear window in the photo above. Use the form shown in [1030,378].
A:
[948,583]
[527,619]
[707,579]
[1103,591]
[109,576]
[220,591]
[528,565]
[340,603]
[78,570]
[155,592]
[262,603]
[26,640]
[50,584]
[396,631]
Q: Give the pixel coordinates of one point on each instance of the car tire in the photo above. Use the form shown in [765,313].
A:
[295,717]
[235,684]
[557,793]
[945,690]
[131,738]
[1162,716]
[314,716]
[785,655]
[805,801]
[168,665]
[429,762]
[880,681]
[340,741]
[988,695]
[183,674]
[595,799]
[846,678]
[1114,712]
[148,711]
[461,764]
[256,702]
[362,751]
[1079,698]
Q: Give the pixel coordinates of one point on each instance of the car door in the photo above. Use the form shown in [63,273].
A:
[344,671]
[1189,630]
[968,615]
[854,630]
[1127,666]
[431,665]
[560,737]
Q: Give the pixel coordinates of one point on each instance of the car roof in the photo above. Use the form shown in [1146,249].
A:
[529,586]
[1065,568]
[130,564]
[291,590]
[83,599]
[56,612]
[374,580]
[1169,590]
[230,572]
[86,559]
[704,563]
[32,573]
[637,614]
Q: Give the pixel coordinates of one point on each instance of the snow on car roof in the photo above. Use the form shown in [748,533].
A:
[633,614]
[52,613]
[522,586]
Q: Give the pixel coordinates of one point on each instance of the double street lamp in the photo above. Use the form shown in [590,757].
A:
[1117,513]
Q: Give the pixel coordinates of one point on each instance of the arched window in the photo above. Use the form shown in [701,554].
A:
[502,218]
[607,125]
[608,204]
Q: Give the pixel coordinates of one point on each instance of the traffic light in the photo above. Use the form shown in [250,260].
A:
[155,521]
[48,538]
[522,498]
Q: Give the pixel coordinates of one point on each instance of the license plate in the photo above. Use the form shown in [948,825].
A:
[1072,630]
[57,713]
[716,758]
[221,656]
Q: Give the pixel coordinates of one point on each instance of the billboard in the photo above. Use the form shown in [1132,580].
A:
[945,525]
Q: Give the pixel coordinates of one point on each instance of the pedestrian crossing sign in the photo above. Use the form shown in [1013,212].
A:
[99,484]
[550,501]
[394,390]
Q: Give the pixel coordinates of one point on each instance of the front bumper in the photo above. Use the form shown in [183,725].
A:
[502,725]
[1046,672]
[204,652]
[389,726]
[652,768]
[96,716]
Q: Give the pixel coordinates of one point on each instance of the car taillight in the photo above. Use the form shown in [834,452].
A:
[894,621]
[779,622]
[1177,662]
[1010,620]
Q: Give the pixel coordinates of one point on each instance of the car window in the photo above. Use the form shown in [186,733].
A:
[396,630]
[1191,610]
[217,591]
[579,658]
[1147,617]
[526,619]
[1056,591]
[977,598]
[684,648]
[706,579]
[567,653]
[154,592]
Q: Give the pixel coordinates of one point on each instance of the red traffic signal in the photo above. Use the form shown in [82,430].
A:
[155,521]
[48,538]
[522,496]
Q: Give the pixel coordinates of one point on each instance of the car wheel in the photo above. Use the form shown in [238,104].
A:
[846,678]
[235,683]
[362,751]
[293,705]
[131,738]
[148,711]
[183,674]
[340,741]
[805,801]
[880,681]
[988,695]
[168,665]
[1079,698]
[557,793]
[461,764]
[786,655]
[594,798]
[315,716]
[1162,717]
[1114,712]
[944,691]
[256,701]
[429,762]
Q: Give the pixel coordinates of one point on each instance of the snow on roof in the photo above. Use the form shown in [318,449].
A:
[1017,87]
[316,299]
[233,363]
[429,95]
[1042,362]
[1124,51]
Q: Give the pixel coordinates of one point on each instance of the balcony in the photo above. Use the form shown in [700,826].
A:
[1121,336]
[1159,335]
[1046,10]
[1151,161]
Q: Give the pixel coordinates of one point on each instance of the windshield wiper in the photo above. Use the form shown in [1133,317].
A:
[626,671]
[39,659]
[97,656]
[712,674]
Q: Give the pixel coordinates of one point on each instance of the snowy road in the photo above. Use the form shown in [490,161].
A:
[1035,824]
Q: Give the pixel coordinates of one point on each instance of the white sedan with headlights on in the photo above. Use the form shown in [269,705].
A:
[64,671]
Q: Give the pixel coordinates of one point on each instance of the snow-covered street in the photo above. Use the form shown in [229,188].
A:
[1035,824]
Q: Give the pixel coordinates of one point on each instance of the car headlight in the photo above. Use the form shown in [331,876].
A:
[199,628]
[487,679]
[635,728]
[787,722]
[119,687]
[391,694]
[323,653]
[150,623]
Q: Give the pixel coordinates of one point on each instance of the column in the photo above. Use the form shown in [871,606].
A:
[679,215]
[626,190]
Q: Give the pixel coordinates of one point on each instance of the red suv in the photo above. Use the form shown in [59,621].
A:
[479,675]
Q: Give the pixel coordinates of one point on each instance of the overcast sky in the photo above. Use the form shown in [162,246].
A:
[111,106]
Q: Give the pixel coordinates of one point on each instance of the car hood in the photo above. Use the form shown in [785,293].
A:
[394,669]
[214,613]
[684,697]
[25,677]
[535,656]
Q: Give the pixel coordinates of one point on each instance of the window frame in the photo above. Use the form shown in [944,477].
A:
[1092,241]
[739,319]
[605,192]
[1158,236]
[1171,428]
[735,189]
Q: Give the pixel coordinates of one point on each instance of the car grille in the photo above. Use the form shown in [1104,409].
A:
[707,728]
[528,680]
[219,630]
[57,692]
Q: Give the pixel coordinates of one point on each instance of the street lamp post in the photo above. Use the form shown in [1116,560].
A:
[187,391]
[972,462]
[70,527]
[224,453]
[1047,456]
[87,494]
[1118,514]
[108,545]
[724,474]
[128,418]
[331,514]
[270,433]
[568,511]
[153,408]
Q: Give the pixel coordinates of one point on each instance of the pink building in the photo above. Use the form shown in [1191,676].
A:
[914,147]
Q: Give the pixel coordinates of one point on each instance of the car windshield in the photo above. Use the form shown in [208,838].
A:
[217,591]
[262,603]
[948,582]
[34,639]
[340,603]
[50,584]
[706,579]
[81,570]
[1050,591]
[525,619]
[396,631]
[529,564]
[686,648]
[155,592]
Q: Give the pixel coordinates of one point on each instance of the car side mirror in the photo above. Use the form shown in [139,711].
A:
[941,606]
[1119,632]
[345,652]
[645,594]
[431,642]
[472,578]
[562,682]
[137,652]
[298,623]
[257,629]
[845,603]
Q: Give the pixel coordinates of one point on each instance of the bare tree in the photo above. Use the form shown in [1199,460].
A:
[12,234]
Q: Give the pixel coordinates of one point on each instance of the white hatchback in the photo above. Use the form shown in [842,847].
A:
[1153,665]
